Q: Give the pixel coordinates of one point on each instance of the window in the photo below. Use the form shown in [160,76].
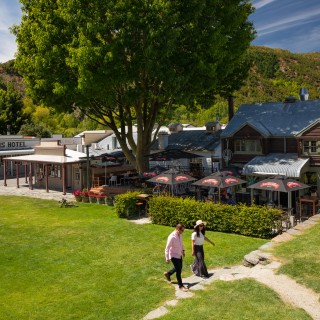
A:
[247,146]
[310,147]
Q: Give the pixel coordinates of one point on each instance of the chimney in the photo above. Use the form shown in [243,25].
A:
[114,142]
[303,94]
[163,140]
[230,107]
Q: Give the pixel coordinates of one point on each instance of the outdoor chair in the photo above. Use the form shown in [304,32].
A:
[114,181]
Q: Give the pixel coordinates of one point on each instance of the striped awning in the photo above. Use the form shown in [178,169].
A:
[287,164]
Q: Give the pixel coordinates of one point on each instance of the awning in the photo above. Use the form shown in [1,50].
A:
[287,164]
[71,157]
[13,152]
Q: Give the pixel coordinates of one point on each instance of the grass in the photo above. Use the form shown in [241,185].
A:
[86,263]
[240,300]
[301,258]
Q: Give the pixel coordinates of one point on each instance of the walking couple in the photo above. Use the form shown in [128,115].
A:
[174,252]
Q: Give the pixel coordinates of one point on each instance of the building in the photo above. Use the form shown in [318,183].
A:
[275,138]
[203,143]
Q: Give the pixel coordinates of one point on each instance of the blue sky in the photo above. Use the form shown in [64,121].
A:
[287,24]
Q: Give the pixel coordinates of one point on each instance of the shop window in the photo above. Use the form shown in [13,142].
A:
[310,147]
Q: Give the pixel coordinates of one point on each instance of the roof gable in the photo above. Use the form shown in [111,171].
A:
[277,119]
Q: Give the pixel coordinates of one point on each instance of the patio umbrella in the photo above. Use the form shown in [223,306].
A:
[280,184]
[172,178]
[232,170]
[154,171]
[219,180]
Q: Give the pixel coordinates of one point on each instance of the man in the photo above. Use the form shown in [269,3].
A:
[174,252]
[230,200]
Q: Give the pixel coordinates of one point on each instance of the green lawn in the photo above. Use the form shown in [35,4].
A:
[301,258]
[86,263]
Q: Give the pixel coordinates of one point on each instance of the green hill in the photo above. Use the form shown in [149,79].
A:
[275,74]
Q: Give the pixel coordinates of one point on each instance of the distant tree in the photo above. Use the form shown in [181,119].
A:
[11,105]
[131,62]
[35,130]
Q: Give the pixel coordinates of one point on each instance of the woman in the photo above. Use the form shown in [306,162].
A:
[197,239]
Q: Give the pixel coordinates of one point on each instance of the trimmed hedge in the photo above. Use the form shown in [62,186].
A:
[253,221]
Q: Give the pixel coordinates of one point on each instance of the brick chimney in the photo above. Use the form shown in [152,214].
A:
[230,107]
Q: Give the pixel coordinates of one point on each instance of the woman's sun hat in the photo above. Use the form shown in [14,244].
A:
[200,222]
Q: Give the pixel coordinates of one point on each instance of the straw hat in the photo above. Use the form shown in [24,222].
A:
[200,222]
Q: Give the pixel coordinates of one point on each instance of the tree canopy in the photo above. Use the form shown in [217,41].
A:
[11,115]
[129,62]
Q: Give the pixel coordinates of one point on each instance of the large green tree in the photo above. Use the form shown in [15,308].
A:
[129,62]
[11,104]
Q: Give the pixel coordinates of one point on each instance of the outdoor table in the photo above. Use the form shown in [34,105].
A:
[308,201]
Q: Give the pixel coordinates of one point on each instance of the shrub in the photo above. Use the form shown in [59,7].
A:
[254,221]
[125,204]
[77,193]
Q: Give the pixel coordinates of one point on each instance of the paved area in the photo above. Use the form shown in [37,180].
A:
[290,291]
[24,191]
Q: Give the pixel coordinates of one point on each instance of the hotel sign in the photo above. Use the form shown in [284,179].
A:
[16,144]
[12,144]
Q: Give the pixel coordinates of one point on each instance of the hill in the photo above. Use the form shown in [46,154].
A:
[275,74]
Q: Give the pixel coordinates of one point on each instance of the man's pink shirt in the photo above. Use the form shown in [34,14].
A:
[174,247]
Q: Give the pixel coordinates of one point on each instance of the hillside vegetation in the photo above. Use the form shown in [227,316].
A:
[275,74]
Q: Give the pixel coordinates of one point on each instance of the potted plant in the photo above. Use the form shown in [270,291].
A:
[85,195]
[77,195]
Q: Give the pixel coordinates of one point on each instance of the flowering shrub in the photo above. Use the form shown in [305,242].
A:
[77,193]
[85,193]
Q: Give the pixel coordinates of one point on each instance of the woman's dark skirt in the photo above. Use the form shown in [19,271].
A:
[199,267]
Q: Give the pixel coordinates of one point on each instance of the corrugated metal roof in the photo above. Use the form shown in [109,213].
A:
[192,140]
[287,164]
[276,119]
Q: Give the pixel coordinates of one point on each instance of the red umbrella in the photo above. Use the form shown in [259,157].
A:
[172,177]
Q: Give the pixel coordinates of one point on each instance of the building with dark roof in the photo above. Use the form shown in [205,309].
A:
[276,138]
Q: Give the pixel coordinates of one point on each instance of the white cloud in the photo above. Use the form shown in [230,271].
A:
[282,23]
[10,14]
[304,41]
[261,3]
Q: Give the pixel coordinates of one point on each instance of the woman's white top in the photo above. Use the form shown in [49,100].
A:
[198,241]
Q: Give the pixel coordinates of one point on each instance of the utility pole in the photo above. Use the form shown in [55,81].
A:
[88,168]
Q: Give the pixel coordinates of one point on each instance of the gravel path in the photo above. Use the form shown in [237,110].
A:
[289,290]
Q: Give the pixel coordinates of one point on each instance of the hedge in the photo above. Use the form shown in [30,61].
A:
[253,221]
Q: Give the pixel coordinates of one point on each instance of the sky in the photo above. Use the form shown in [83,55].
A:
[293,25]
